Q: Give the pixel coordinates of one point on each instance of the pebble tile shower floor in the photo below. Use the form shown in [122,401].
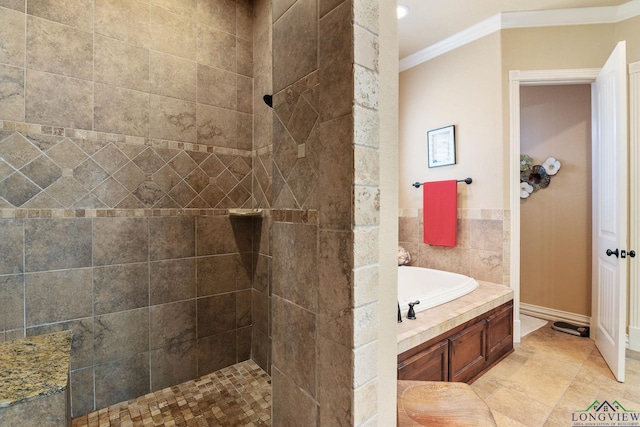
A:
[239,395]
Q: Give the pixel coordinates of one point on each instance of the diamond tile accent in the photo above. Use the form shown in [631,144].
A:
[149,193]
[110,158]
[149,161]
[67,191]
[111,192]
[89,174]
[212,166]
[198,180]
[182,193]
[16,189]
[131,176]
[17,151]
[226,181]
[42,171]
[166,178]
[183,164]
[5,169]
[67,154]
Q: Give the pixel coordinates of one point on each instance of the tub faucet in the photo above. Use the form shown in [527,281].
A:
[411,315]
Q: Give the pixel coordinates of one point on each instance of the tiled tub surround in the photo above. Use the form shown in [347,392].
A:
[482,249]
[151,301]
[440,319]
[34,377]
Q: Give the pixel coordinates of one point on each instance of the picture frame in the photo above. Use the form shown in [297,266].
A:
[441,146]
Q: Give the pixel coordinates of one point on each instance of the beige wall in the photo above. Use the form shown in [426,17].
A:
[555,242]
[629,30]
[460,88]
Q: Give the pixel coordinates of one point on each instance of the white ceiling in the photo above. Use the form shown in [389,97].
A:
[430,21]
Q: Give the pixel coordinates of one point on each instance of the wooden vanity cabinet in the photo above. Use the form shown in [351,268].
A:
[463,353]
[430,364]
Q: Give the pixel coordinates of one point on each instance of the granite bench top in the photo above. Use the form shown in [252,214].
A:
[33,367]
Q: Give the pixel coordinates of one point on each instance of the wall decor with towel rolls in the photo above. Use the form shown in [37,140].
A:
[440,211]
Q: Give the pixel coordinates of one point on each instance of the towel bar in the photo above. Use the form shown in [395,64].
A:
[466,180]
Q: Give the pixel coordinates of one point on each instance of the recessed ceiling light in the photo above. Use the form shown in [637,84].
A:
[402,11]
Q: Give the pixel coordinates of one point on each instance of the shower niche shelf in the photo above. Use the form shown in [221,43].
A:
[254,213]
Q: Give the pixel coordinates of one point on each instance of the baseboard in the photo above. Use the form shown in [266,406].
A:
[634,338]
[554,315]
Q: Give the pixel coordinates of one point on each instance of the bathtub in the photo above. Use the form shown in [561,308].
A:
[430,287]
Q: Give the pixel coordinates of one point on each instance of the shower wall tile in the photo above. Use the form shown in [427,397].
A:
[294,349]
[81,341]
[336,62]
[12,34]
[70,289]
[217,274]
[244,19]
[216,314]
[11,246]
[245,57]
[172,33]
[71,239]
[12,302]
[172,280]
[44,39]
[184,7]
[172,76]
[13,4]
[121,334]
[216,352]
[75,13]
[335,296]
[217,126]
[173,365]
[243,310]
[335,382]
[291,406]
[216,236]
[280,7]
[335,173]
[295,35]
[295,259]
[172,324]
[172,119]
[46,92]
[120,287]
[172,237]
[120,240]
[121,380]
[12,92]
[121,64]
[485,234]
[216,48]
[81,390]
[217,87]
[120,110]
[218,14]
[125,20]
[486,265]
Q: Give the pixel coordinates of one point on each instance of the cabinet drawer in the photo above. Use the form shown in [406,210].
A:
[430,364]
[499,333]
[467,353]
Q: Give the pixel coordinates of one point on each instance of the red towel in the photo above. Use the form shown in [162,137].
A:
[440,203]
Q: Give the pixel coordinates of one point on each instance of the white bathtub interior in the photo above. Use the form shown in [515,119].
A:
[430,287]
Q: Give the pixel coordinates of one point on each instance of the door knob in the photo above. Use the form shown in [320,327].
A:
[632,254]
[610,252]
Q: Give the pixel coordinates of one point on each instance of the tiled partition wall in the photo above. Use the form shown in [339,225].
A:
[125,132]
[324,275]
[482,249]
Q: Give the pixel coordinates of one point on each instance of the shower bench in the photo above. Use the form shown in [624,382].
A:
[460,340]
[34,376]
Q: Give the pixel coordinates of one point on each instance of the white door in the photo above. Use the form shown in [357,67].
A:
[610,207]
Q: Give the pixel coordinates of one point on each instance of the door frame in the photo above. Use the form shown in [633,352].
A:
[519,78]
[634,204]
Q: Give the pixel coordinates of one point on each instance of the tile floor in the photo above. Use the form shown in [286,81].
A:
[239,395]
[549,376]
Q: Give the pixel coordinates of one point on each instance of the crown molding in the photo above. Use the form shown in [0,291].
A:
[528,19]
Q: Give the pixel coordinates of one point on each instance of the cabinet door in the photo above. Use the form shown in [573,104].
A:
[499,333]
[467,353]
[428,365]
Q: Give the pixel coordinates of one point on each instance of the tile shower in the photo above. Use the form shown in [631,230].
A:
[128,128]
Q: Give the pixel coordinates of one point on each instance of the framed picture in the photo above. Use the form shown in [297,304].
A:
[441,146]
